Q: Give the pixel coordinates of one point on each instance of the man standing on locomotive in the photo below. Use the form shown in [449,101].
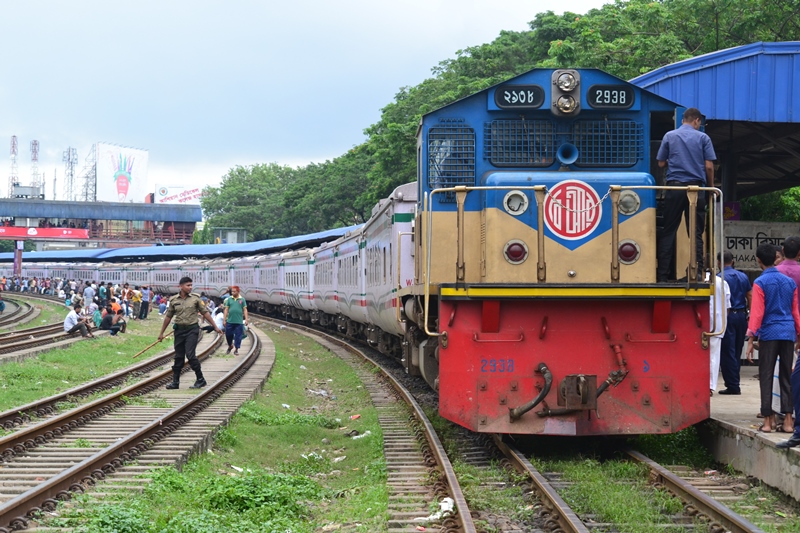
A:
[185,306]
[688,155]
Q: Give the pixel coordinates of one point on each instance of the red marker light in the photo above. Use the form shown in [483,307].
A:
[516,252]
[628,252]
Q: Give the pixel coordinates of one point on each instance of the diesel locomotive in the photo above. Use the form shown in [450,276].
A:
[517,275]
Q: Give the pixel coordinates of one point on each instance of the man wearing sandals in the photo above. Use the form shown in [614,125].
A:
[775,318]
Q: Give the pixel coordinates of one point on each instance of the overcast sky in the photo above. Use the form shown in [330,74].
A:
[205,86]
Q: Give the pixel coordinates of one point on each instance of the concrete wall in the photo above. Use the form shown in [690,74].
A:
[754,454]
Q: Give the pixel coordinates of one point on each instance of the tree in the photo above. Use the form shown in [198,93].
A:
[778,206]
[250,198]
[8,246]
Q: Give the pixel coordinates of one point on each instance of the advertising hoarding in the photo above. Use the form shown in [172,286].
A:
[121,173]
[177,194]
[20,232]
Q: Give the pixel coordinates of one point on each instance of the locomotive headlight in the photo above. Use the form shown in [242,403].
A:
[515,202]
[515,252]
[628,252]
[566,104]
[566,82]
[629,202]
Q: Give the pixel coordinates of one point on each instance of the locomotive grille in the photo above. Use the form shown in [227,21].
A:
[617,143]
[451,158]
[519,143]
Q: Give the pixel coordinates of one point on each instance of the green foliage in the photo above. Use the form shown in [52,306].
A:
[118,519]
[204,236]
[263,416]
[8,246]
[683,447]
[625,37]
[778,206]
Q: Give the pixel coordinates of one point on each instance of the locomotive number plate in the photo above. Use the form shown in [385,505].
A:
[497,365]
[611,96]
[519,96]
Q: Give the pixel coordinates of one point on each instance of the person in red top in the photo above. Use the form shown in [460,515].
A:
[775,319]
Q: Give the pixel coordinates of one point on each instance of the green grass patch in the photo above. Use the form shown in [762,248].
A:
[682,448]
[273,468]
[79,443]
[615,491]
[64,368]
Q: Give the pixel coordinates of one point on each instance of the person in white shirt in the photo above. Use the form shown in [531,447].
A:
[717,312]
[74,323]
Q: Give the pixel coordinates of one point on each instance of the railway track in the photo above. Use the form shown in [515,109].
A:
[420,475]
[698,496]
[110,441]
[16,311]
[698,506]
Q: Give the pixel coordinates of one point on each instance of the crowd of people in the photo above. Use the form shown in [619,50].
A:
[106,306]
[772,327]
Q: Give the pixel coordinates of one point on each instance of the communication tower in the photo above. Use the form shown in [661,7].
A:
[89,177]
[13,178]
[55,178]
[70,159]
[35,177]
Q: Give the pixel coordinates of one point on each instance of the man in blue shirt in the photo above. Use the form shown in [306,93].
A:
[688,155]
[733,341]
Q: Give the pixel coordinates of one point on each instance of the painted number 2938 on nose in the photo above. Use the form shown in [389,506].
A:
[497,365]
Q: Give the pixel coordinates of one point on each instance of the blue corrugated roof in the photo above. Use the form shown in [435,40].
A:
[35,208]
[84,254]
[153,253]
[159,253]
[757,82]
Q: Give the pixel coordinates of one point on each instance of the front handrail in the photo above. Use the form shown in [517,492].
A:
[715,229]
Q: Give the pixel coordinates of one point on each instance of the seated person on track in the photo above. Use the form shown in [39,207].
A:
[113,322]
[74,322]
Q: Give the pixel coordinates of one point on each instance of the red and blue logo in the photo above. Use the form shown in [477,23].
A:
[572,210]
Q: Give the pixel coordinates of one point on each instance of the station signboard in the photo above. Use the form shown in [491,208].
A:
[177,194]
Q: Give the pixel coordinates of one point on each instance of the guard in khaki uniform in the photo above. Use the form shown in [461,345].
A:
[185,307]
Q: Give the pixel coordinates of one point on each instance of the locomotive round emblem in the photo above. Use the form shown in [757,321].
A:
[572,209]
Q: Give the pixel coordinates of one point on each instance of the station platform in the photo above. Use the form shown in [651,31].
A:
[732,436]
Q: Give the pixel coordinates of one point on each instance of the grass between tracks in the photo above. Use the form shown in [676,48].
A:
[86,360]
[274,468]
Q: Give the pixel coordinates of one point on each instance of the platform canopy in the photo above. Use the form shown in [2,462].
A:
[35,208]
[750,96]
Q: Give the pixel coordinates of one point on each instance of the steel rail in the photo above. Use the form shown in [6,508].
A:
[16,513]
[49,405]
[24,344]
[27,332]
[33,436]
[23,310]
[557,514]
[695,499]
[463,515]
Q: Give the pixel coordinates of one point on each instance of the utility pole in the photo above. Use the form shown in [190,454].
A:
[13,178]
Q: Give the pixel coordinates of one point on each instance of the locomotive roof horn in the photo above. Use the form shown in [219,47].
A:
[567,153]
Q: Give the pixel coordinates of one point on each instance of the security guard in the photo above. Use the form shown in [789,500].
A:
[185,306]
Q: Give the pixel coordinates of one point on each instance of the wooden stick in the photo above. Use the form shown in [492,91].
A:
[140,353]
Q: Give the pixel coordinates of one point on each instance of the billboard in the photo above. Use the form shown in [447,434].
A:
[121,173]
[23,233]
[177,194]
